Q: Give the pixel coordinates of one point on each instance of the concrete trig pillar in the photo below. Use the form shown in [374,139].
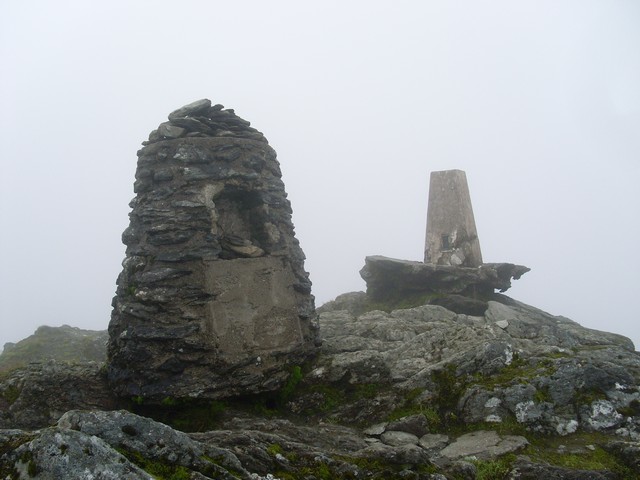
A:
[451,237]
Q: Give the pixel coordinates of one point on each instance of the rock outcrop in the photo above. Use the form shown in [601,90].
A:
[421,393]
[64,344]
[213,300]
[36,396]
[516,362]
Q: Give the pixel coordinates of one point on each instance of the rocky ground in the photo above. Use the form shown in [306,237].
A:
[419,392]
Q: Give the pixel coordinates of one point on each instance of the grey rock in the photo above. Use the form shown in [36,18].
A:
[627,452]
[376,430]
[461,304]
[132,433]
[602,415]
[396,438]
[59,453]
[192,125]
[483,445]
[41,393]
[63,344]
[414,424]
[433,441]
[464,470]
[166,130]
[194,108]
[399,455]
[524,469]
[355,303]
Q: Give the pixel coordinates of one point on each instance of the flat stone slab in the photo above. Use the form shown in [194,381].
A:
[483,445]
[389,277]
[433,441]
[396,438]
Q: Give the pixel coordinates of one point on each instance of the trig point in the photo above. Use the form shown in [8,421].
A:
[451,237]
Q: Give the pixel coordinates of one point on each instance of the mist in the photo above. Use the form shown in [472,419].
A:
[537,101]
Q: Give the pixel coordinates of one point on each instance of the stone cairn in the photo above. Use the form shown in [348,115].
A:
[213,300]
[453,274]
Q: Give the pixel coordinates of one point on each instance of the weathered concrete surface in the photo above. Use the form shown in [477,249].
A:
[213,300]
[451,237]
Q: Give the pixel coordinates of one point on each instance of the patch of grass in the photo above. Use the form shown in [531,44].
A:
[496,469]
[63,344]
[274,449]
[159,470]
[542,395]
[582,451]
[169,402]
[587,397]
[518,371]
[449,389]
[295,377]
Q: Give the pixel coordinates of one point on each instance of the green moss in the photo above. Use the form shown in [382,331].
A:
[274,449]
[449,389]
[32,468]
[169,402]
[587,397]
[11,394]
[542,395]
[518,371]
[159,470]
[292,382]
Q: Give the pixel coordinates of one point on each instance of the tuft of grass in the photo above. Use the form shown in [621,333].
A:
[274,449]
[496,469]
[295,377]
[159,470]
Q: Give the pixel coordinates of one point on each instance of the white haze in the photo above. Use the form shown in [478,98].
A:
[538,101]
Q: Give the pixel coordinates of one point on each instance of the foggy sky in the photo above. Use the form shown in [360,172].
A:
[538,101]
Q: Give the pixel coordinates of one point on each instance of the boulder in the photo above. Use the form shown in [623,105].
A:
[112,445]
[483,445]
[389,278]
[213,300]
[397,438]
[36,396]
